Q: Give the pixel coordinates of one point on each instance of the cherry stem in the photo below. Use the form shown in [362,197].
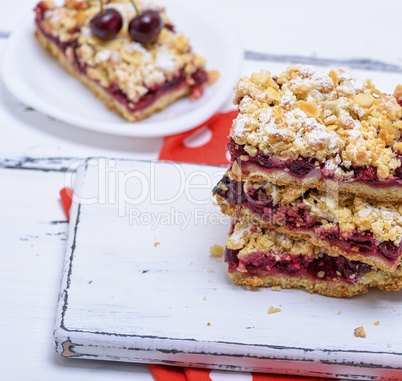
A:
[135,7]
[101,6]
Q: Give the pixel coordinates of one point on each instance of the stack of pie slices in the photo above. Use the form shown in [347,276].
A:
[314,188]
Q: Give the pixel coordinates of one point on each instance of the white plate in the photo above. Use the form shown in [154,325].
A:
[34,77]
[126,298]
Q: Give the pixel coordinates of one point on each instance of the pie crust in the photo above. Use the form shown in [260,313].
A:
[131,79]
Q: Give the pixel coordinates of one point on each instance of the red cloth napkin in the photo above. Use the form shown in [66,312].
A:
[66,195]
[172,373]
[205,144]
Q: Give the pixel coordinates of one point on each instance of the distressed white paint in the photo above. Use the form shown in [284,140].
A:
[140,288]
[33,229]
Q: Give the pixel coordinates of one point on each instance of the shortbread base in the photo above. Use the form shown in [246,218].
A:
[383,280]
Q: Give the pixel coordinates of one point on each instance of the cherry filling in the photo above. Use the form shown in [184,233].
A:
[324,267]
[298,218]
[262,204]
[309,167]
[362,242]
[152,94]
[40,10]
[198,78]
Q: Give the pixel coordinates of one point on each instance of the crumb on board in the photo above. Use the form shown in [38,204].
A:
[389,345]
[216,251]
[252,288]
[360,332]
[339,312]
[204,298]
[273,310]
[276,288]
[210,270]
[31,245]
[213,76]
[377,322]
[157,244]
[208,324]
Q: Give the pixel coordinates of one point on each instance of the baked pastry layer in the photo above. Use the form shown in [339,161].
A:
[364,230]
[131,79]
[302,172]
[264,258]
[384,281]
[325,125]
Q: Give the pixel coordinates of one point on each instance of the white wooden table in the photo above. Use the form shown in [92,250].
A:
[35,151]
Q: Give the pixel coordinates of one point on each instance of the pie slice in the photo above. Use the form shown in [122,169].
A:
[132,79]
[326,130]
[264,258]
[363,230]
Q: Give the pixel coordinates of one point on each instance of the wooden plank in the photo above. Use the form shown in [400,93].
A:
[126,298]
[33,241]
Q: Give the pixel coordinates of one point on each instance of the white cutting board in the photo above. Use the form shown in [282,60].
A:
[139,285]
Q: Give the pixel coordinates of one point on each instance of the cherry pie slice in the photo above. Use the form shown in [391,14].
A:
[326,130]
[363,230]
[261,257]
[132,79]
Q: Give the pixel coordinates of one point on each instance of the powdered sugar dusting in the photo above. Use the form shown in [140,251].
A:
[239,232]
[133,47]
[240,125]
[323,81]
[103,55]
[166,61]
[288,99]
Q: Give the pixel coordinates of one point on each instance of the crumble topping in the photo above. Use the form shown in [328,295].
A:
[360,332]
[121,61]
[249,237]
[273,310]
[330,116]
[350,212]
[216,251]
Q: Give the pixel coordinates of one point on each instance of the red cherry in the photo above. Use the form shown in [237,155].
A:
[106,24]
[145,27]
